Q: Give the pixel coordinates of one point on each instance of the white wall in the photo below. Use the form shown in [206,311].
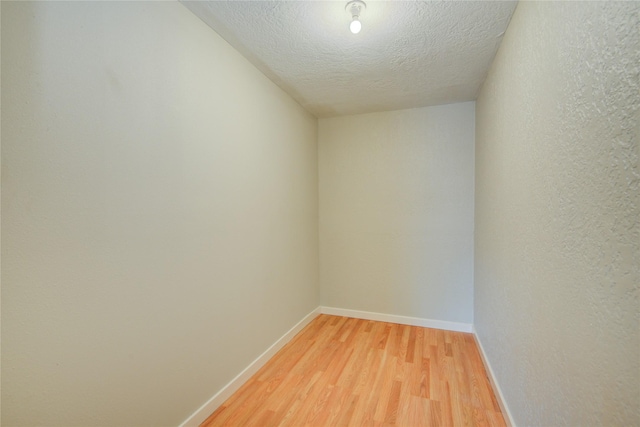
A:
[557,214]
[159,223]
[396,212]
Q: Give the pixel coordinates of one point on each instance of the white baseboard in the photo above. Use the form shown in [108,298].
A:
[496,388]
[218,399]
[403,320]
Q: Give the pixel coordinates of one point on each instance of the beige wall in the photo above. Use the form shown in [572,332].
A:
[159,223]
[396,212]
[557,214]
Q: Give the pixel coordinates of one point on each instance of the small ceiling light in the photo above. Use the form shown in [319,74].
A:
[356,9]
[355,25]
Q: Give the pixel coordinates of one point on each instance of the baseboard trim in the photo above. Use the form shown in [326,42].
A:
[403,320]
[218,399]
[494,383]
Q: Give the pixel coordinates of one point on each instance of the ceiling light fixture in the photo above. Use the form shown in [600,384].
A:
[356,9]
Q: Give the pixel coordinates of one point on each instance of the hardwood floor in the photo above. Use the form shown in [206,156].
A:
[341,371]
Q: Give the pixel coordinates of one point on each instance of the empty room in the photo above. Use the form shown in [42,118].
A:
[320,213]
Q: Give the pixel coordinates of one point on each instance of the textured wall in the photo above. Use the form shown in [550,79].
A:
[396,212]
[558,214]
[159,223]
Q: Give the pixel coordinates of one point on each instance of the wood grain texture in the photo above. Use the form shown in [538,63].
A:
[341,371]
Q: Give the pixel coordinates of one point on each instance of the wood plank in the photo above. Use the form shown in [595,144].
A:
[342,371]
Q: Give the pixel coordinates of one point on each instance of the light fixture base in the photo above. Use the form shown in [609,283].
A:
[356,8]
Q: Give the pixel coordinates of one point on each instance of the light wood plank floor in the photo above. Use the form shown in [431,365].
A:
[341,371]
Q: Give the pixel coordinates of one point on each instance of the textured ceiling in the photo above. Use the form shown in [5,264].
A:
[408,54]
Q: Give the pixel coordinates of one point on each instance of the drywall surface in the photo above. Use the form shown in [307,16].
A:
[396,212]
[159,224]
[409,53]
[558,214]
